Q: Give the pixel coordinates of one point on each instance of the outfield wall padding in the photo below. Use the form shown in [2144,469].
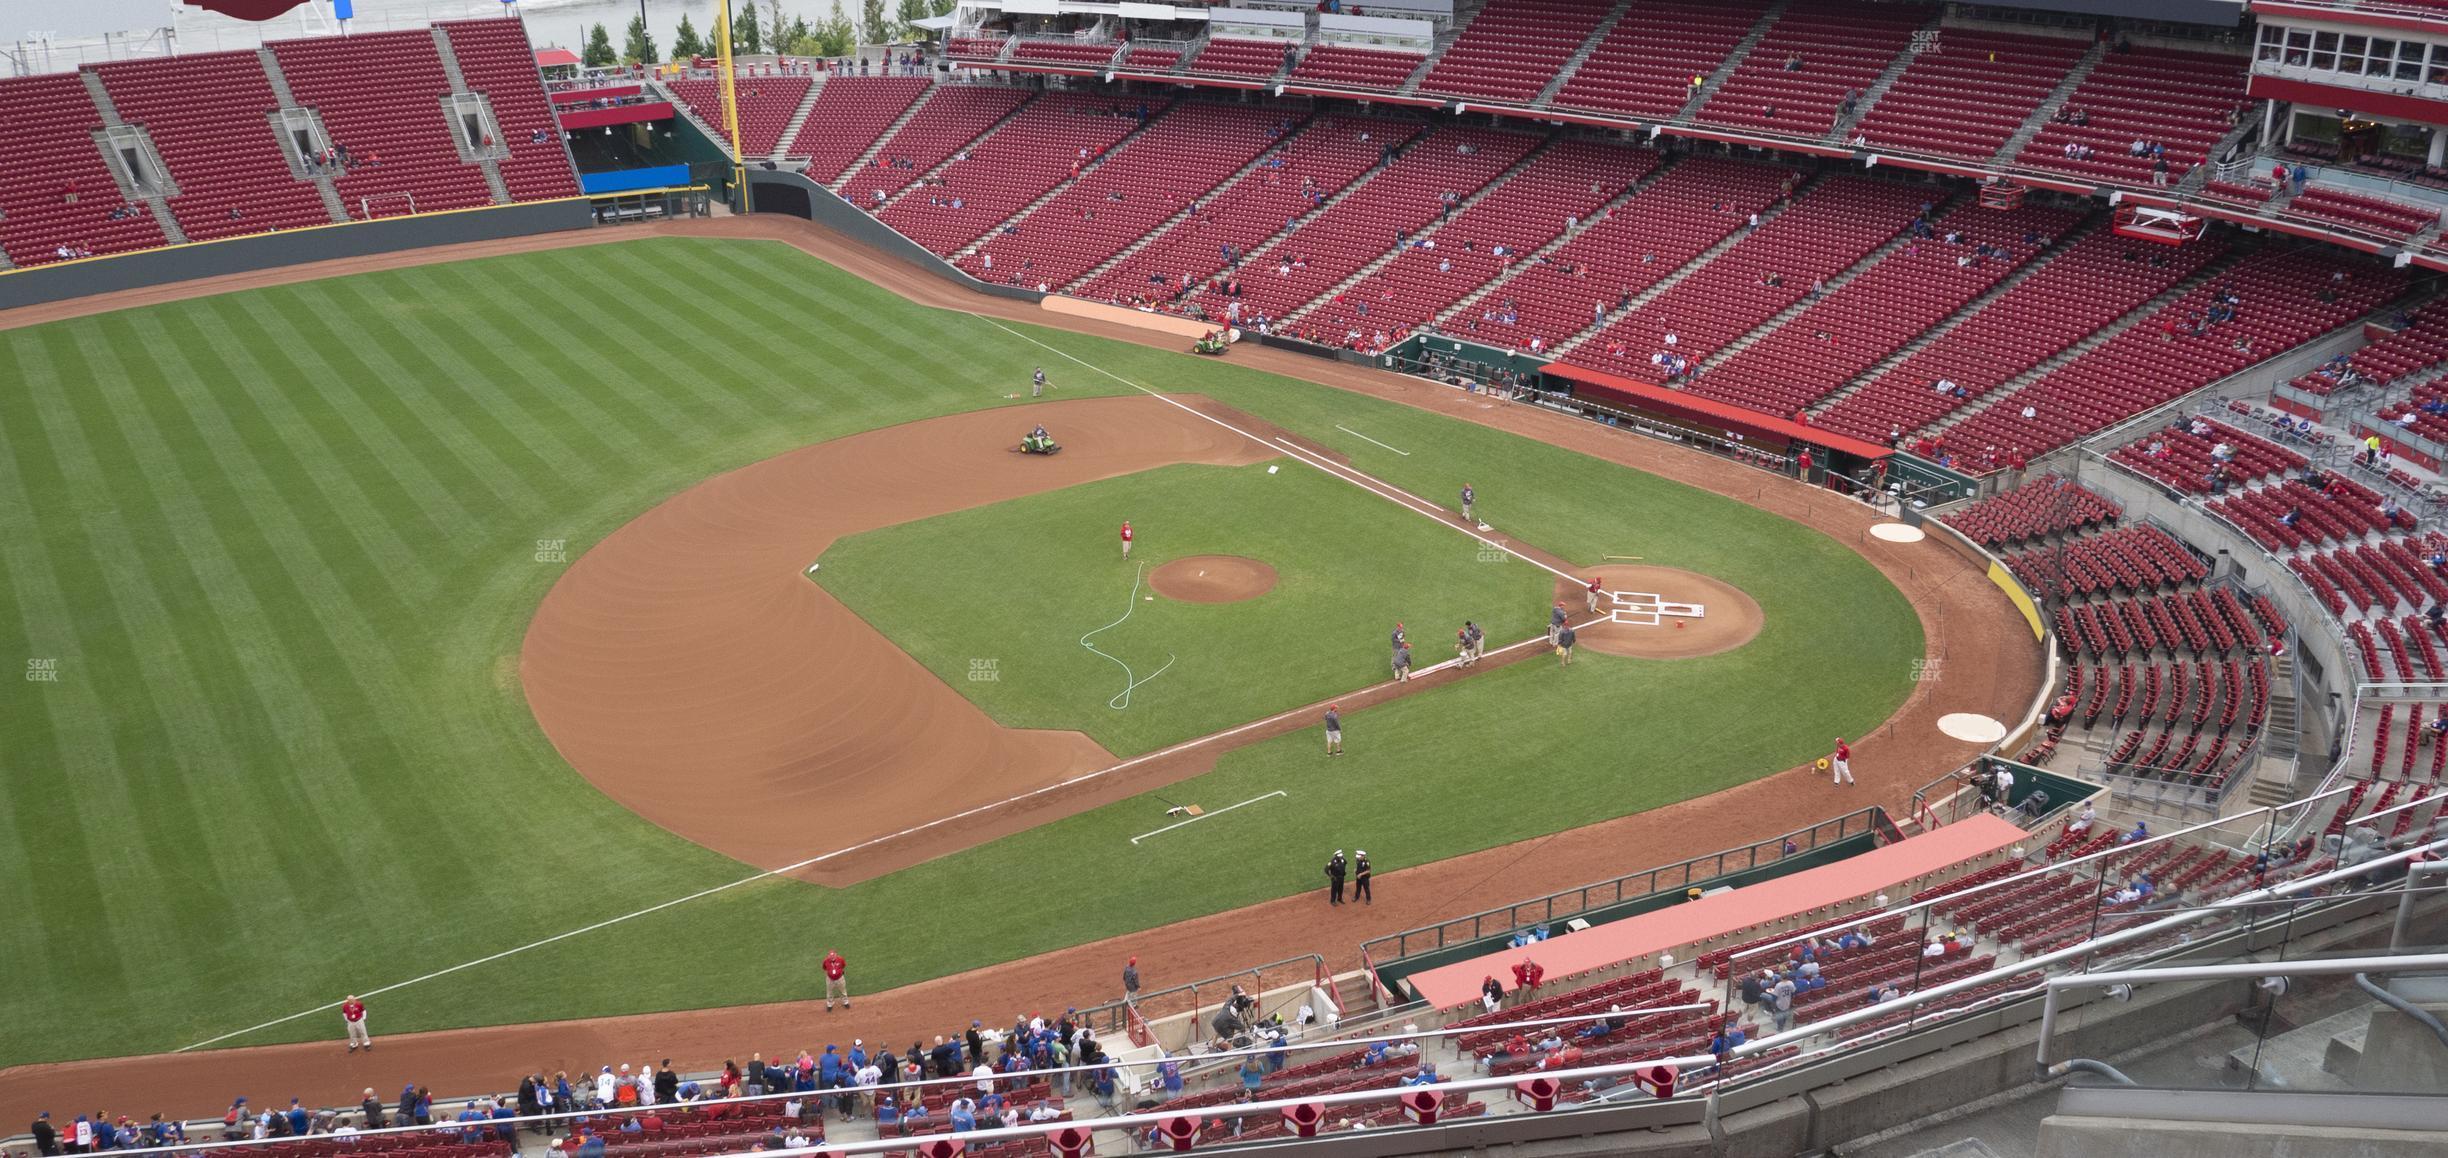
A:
[792,194]
[152,267]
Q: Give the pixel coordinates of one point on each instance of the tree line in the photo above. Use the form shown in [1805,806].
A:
[836,33]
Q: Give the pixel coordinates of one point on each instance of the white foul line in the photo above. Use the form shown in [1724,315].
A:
[1203,816]
[1366,438]
[1365,482]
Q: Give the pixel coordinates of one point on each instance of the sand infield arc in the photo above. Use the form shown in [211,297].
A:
[685,665]
[1213,579]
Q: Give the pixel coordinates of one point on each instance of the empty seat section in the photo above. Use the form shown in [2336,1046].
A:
[1301,172]
[850,113]
[953,115]
[1349,66]
[1054,138]
[56,192]
[1860,323]
[2098,279]
[766,104]
[1568,181]
[207,115]
[1695,205]
[1798,75]
[1177,160]
[1440,169]
[1509,51]
[380,94]
[1965,95]
[1233,56]
[1644,65]
[496,60]
[1076,53]
[1830,225]
[2281,294]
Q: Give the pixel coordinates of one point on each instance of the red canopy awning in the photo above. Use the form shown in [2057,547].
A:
[246,9]
[1732,417]
[556,58]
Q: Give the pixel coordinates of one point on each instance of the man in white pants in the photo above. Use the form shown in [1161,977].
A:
[1842,762]
[352,1014]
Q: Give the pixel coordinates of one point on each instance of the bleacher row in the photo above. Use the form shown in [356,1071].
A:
[1958,91]
[1358,231]
[379,94]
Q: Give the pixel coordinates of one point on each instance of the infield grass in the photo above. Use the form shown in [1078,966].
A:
[1030,577]
[269,556]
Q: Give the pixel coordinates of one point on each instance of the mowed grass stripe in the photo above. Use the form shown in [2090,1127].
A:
[539,440]
[469,434]
[749,288]
[610,338]
[358,413]
[57,733]
[355,498]
[743,377]
[615,387]
[178,752]
[621,436]
[325,683]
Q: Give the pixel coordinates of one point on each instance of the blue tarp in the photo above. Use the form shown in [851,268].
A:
[624,180]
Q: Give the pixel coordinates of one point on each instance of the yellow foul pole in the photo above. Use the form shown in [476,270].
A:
[730,106]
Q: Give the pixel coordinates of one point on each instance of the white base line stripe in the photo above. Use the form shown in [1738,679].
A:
[1366,438]
[1203,816]
[1382,490]
[1364,481]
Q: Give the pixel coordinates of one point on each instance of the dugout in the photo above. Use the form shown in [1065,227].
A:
[1749,436]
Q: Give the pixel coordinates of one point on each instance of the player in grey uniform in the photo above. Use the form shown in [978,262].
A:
[1555,622]
[1334,731]
[1474,642]
[1037,384]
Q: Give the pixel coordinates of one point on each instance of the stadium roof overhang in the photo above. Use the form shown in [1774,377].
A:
[556,58]
[1725,414]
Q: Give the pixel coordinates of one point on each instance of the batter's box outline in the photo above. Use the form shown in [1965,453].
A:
[1648,609]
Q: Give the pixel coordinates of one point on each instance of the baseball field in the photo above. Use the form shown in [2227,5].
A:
[377,625]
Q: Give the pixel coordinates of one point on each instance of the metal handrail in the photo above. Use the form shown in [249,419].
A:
[1482,924]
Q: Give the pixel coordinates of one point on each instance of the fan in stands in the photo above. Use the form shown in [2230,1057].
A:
[2166,226]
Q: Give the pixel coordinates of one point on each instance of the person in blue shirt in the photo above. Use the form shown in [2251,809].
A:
[298,1119]
[470,1132]
[505,1129]
[1426,1076]
[829,1068]
[592,1146]
[963,1118]
[888,1116]
[914,1120]
[1168,1080]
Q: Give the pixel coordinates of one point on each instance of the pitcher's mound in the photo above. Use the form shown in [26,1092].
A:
[1212,579]
[1731,618]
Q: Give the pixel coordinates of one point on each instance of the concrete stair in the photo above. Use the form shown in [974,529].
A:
[2049,104]
[1463,15]
[1674,279]
[458,82]
[1221,189]
[2228,145]
[1057,191]
[798,118]
[1869,99]
[1581,55]
[1959,317]
[1732,61]
[867,156]
[1432,229]
[160,207]
[2088,343]
[1484,292]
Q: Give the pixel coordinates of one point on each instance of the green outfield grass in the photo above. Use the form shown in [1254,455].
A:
[1019,583]
[272,553]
